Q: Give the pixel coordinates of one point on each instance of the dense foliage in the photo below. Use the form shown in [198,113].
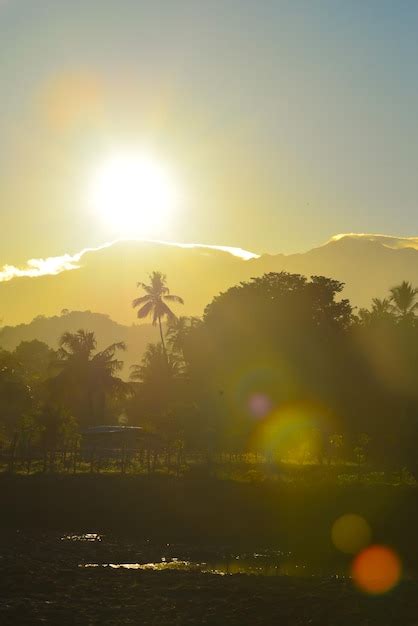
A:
[280,367]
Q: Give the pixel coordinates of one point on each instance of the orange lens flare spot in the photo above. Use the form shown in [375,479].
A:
[376,570]
[351,533]
[71,100]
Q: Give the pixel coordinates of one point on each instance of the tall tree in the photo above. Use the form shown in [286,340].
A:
[36,359]
[404,298]
[85,376]
[156,388]
[178,333]
[16,396]
[382,311]
[154,303]
[154,366]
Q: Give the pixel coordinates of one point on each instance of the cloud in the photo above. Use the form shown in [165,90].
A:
[40,267]
[50,266]
[246,255]
[389,241]
[46,267]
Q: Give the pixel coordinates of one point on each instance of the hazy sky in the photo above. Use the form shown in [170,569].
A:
[285,121]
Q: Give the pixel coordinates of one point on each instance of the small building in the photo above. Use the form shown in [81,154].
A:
[111,440]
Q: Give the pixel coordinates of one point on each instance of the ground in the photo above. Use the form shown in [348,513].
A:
[41,583]
[32,595]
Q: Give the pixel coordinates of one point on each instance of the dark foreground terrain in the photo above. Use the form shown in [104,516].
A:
[61,596]
[41,583]
[43,552]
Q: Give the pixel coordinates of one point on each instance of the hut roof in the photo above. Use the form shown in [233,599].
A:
[99,430]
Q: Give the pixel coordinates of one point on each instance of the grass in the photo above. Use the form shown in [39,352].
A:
[242,470]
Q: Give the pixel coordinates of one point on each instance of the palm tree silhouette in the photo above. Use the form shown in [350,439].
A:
[76,346]
[178,330]
[382,311]
[381,307]
[154,365]
[86,375]
[154,302]
[404,298]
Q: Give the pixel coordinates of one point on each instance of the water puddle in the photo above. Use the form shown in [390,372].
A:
[254,566]
[85,537]
[114,554]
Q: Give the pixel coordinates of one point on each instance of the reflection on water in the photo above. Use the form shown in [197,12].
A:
[84,537]
[256,565]
[144,555]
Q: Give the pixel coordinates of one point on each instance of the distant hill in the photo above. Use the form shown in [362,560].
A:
[369,265]
[49,329]
[106,279]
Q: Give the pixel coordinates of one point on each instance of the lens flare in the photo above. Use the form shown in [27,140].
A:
[295,431]
[254,391]
[73,100]
[376,570]
[259,404]
[351,533]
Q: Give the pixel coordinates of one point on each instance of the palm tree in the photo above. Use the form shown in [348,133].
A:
[154,302]
[404,297]
[178,333]
[154,366]
[76,346]
[381,307]
[178,330]
[381,311]
[86,377]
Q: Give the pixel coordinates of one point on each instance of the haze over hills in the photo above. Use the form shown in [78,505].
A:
[50,329]
[104,280]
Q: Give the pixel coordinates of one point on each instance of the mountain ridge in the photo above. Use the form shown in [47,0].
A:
[106,278]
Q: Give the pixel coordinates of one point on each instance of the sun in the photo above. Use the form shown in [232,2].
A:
[134,193]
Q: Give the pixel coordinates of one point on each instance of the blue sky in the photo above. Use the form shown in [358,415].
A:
[287,121]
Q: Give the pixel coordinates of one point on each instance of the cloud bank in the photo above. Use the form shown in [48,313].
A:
[389,241]
[50,266]
[246,255]
[40,267]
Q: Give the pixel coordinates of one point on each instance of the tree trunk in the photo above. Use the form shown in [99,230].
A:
[162,339]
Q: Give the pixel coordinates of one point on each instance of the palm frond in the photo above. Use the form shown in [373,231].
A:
[107,354]
[145,310]
[114,347]
[161,311]
[136,372]
[173,298]
[141,300]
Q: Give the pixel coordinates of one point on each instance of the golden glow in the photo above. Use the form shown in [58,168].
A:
[292,431]
[376,570]
[134,193]
[72,100]
[351,533]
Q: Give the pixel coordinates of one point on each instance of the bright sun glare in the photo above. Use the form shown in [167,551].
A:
[134,193]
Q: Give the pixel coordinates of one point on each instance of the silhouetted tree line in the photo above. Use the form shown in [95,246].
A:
[279,367]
